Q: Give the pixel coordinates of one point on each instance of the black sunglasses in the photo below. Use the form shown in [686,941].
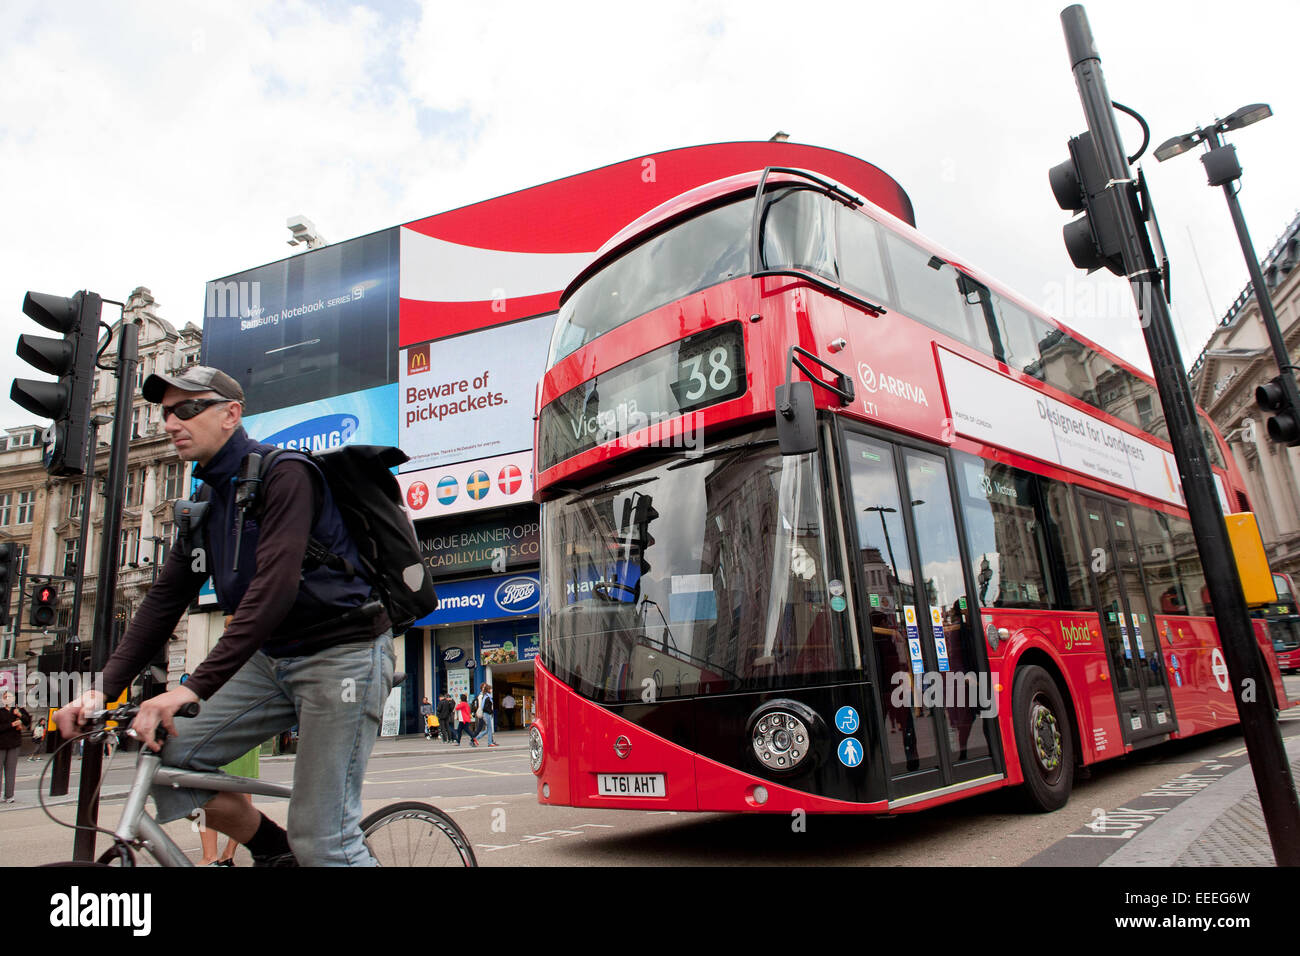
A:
[192,406]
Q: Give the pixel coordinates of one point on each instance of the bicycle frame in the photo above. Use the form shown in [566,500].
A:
[137,824]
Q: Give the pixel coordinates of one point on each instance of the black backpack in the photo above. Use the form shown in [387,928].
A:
[370,503]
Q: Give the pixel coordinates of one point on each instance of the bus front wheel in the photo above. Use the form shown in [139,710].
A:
[1043,740]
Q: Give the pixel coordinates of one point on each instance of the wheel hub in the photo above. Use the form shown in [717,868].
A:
[1047,736]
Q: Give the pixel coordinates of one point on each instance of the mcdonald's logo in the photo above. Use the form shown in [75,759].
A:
[417,359]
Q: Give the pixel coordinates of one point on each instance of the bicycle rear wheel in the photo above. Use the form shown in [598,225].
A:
[416,834]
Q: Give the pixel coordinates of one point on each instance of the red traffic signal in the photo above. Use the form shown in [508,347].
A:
[45,606]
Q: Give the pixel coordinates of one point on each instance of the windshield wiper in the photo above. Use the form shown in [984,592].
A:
[743,446]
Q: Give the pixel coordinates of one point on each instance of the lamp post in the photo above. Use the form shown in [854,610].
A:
[1223,169]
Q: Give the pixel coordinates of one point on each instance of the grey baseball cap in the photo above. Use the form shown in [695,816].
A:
[196,378]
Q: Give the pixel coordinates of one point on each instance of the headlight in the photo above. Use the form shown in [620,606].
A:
[781,740]
[536,749]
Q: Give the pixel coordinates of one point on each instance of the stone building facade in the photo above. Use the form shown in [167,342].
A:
[1234,362]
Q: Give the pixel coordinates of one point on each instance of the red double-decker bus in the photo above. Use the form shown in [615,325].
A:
[969,569]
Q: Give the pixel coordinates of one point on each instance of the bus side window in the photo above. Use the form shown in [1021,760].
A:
[862,267]
[1195,591]
[799,233]
[928,292]
[1069,557]
[1005,534]
[1018,341]
[1166,589]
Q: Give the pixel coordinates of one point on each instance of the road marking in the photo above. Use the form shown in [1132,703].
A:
[1233,753]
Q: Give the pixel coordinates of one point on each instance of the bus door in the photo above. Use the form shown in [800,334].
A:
[930,671]
[1137,665]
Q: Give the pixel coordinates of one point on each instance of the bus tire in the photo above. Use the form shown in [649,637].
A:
[1043,740]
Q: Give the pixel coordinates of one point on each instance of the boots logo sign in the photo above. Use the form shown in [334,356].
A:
[517,595]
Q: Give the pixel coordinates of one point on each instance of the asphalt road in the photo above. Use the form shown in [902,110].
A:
[491,795]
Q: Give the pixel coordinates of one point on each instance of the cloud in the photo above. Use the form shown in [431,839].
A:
[164,144]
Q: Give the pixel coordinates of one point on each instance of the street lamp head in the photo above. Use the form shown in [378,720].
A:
[1178,144]
[1245,116]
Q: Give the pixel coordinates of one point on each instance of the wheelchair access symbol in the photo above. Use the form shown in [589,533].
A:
[846,720]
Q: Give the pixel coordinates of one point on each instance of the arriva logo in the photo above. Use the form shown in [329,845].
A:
[1075,634]
[518,595]
[318,434]
[894,386]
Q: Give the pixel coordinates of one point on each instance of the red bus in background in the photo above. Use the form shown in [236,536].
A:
[981,575]
[1283,618]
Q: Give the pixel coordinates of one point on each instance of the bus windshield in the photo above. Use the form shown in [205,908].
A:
[692,255]
[692,577]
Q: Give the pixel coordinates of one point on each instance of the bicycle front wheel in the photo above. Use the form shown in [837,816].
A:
[416,834]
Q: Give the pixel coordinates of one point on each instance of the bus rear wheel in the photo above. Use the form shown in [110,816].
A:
[1043,740]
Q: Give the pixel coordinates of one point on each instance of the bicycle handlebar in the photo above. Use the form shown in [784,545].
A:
[129,712]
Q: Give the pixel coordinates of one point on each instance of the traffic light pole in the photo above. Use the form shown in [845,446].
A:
[1268,759]
[93,757]
[61,770]
[1275,337]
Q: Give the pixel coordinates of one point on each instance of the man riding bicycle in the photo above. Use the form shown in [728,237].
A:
[306,644]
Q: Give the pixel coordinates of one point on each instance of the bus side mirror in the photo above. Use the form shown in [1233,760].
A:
[796,418]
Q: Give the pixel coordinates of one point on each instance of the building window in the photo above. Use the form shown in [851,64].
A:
[171,481]
[139,421]
[22,440]
[130,547]
[5,501]
[134,487]
[74,500]
[167,532]
[69,557]
[26,507]
[20,560]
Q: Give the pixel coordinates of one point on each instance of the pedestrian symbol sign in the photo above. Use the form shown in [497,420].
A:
[850,752]
[846,720]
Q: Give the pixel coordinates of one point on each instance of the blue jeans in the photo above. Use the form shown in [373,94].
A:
[489,724]
[336,698]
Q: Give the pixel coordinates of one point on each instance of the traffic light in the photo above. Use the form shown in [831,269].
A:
[72,359]
[1273,397]
[45,606]
[643,514]
[1095,239]
[7,574]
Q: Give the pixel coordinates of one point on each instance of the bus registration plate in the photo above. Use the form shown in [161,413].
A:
[632,785]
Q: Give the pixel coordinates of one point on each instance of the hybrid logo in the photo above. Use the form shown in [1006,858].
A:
[77,909]
[1073,634]
[518,595]
[894,386]
[317,434]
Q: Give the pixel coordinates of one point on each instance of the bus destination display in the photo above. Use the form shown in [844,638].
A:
[692,373]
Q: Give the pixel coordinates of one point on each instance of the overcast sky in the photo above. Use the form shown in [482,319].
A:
[164,144]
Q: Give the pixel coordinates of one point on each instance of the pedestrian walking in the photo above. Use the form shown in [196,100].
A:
[487,712]
[446,711]
[12,721]
[38,740]
[464,720]
[508,705]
